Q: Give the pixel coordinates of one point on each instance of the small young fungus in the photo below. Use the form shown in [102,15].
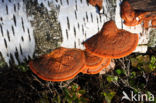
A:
[97,3]
[148,19]
[131,17]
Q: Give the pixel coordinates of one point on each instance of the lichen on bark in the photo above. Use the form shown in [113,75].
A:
[47,31]
[152,41]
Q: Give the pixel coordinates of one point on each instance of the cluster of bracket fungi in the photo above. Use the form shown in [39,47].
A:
[64,63]
[133,18]
[109,43]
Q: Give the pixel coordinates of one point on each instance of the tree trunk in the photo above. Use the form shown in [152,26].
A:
[143,5]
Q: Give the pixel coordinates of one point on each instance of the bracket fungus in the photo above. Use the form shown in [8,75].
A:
[95,70]
[60,65]
[97,3]
[130,16]
[112,42]
[153,21]
[92,61]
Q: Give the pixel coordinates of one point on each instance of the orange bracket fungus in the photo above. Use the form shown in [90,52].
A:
[95,70]
[112,42]
[97,3]
[92,61]
[60,65]
[153,21]
[131,18]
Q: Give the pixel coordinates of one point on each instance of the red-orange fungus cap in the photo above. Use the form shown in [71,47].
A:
[95,70]
[112,42]
[92,61]
[60,65]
